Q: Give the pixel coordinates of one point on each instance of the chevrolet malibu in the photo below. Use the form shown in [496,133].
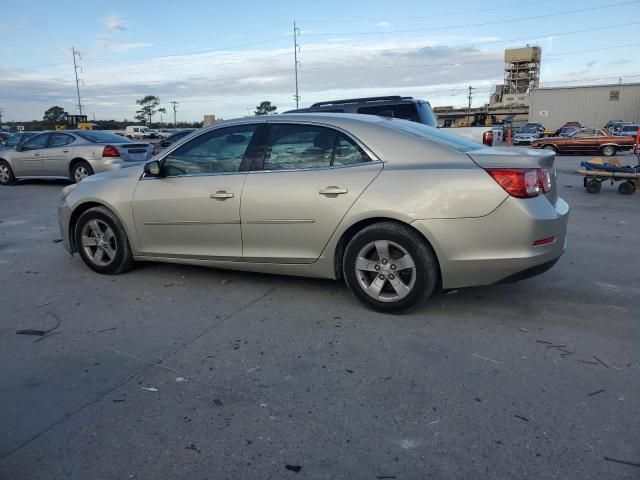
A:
[395,208]
[72,154]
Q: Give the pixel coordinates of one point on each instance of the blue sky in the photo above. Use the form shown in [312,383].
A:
[223,58]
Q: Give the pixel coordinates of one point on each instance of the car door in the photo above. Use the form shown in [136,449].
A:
[585,141]
[193,210]
[27,161]
[58,154]
[295,197]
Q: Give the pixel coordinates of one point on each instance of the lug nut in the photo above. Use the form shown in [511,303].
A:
[381,277]
[377,267]
[384,261]
[392,276]
[393,266]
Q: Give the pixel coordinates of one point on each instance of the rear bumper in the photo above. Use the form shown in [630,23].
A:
[498,247]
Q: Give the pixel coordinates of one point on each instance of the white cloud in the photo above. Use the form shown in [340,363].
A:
[115,23]
[383,24]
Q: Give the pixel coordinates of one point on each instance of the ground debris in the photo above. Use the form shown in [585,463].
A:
[485,358]
[597,392]
[56,240]
[522,418]
[224,281]
[149,389]
[601,362]
[624,462]
[588,362]
[293,468]
[40,333]
[217,402]
[193,447]
[107,329]
[381,477]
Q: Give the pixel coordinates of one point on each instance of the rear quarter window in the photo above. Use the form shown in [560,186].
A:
[435,135]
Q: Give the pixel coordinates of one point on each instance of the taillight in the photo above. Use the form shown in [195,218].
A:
[522,182]
[110,151]
[487,138]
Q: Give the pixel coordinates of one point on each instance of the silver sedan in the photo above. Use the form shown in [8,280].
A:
[73,154]
[393,207]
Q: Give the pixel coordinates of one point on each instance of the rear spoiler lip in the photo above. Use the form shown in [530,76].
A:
[496,157]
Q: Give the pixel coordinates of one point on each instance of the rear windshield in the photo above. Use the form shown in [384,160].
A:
[102,137]
[435,135]
[406,111]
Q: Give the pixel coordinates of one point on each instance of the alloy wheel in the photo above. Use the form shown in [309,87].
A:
[5,174]
[99,243]
[80,172]
[385,271]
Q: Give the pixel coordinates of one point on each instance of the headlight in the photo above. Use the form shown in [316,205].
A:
[67,190]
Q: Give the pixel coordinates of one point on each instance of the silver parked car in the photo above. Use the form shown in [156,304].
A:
[394,207]
[73,154]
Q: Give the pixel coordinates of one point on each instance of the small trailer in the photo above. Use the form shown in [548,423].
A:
[596,171]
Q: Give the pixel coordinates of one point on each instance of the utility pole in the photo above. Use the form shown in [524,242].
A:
[174,103]
[75,71]
[296,47]
[469,110]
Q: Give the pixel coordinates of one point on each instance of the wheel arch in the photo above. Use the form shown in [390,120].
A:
[353,229]
[79,210]
[75,161]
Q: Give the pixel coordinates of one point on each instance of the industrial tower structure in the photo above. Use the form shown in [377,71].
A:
[521,70]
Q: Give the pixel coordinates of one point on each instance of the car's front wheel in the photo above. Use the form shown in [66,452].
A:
[102,242]
[609,150]
[390,267]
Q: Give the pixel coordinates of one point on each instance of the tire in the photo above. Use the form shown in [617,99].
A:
[593,186]
[80,170]
[608,151]
[394,289]
[102,242]
[626,188]
[6,174]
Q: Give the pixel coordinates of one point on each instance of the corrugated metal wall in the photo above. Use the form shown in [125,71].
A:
[591,106]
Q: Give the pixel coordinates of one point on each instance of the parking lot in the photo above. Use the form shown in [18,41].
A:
[172,371]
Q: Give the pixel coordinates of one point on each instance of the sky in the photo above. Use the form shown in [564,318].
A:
[223,57]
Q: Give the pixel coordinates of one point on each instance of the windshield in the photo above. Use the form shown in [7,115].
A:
[528,129]
[102,137]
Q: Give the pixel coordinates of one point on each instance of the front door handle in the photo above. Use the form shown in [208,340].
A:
[36,154]
[333,191]
[66,150]
[221,195]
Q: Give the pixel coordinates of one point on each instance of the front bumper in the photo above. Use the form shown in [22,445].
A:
[64,218]
[499,246]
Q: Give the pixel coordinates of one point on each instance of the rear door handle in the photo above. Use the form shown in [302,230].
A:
[333,191]
[66,150]
[221,195]
[36,154]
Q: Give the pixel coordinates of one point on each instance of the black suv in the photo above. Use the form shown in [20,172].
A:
[407,108]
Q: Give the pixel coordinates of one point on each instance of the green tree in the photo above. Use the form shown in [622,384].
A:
[148,108]
[265,108]
[54,115]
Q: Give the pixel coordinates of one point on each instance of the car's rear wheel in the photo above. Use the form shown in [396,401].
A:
[80,170]
[550,147]
[6,174]
[390,267]
[609,150]
[102,242]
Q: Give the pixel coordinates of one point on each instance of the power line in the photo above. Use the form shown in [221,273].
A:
[482,24]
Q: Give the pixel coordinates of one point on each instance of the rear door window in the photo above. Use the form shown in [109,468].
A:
[60,140]
[293,147]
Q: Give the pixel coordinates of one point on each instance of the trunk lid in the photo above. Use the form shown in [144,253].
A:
[496,157]
[135,152]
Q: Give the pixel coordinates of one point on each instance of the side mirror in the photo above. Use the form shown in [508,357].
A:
[152,169]
[19,148]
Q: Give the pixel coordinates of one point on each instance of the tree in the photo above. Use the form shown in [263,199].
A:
[148,108]
[54,115]
[265,108]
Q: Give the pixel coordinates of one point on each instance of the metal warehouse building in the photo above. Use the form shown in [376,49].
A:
[591,105]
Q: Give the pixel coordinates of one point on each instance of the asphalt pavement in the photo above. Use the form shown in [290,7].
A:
[173,371]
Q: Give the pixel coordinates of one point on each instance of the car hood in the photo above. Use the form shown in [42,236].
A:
[128,171]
